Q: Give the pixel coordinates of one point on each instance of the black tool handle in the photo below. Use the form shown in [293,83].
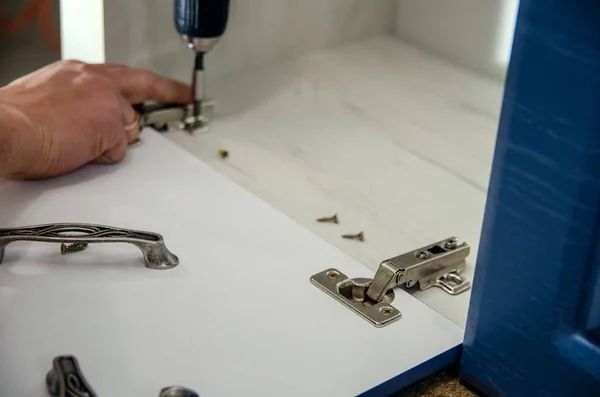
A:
[201,18]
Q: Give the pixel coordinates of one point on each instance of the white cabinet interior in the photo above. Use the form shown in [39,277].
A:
[323,110]
[259,33]
[397,139]
[474,33]
[394,140]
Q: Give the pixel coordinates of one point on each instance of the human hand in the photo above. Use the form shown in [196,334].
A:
[70,113]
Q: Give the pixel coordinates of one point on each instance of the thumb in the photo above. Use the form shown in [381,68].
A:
[115,153]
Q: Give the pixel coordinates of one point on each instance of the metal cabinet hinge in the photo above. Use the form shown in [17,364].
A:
[166,117]
[435,265]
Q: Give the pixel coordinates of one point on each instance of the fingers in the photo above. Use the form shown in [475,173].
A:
[115,154]
[130,133]
[131,126]
[139,85]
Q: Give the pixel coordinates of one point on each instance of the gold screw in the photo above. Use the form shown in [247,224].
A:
[223,153]
[360,236]
[66,249]
[333,219]
[386,311]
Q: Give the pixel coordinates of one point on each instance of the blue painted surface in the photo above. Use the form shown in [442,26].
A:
[415,374]
[533,324]
[592,314]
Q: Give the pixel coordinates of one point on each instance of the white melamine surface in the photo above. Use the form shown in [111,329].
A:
[82,30]
[141,33]
[475,33]
[237,317]
[395,141]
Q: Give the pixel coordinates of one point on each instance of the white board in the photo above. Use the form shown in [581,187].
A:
[238,316]
[397,142]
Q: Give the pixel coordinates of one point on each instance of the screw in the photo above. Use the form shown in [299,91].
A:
[223,153]
[332,275]
[422,255]
[192,123]
[66,249]
[451,243]
[333,219]
[386,311]
[360,236]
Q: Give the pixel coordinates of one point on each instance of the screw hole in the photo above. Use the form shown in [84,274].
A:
[333,274]
[386,311]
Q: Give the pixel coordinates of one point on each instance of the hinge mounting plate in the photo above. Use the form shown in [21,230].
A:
[352,294]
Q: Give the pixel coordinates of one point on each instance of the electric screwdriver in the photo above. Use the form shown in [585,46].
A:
[201,23]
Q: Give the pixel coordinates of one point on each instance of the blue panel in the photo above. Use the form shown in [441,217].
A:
[592,307]
[532,321]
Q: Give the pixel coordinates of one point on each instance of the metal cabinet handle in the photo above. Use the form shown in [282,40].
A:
[156,254]
[65,379]
[177,391]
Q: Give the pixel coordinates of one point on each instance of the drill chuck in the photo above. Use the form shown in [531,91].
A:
[201,22]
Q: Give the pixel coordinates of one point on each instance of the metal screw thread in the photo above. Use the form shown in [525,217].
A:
[76,247]
[333,219]
[360,236]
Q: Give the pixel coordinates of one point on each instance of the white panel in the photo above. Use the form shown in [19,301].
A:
[82,30]
[396,141]
[237,317]
[142,33]
[506,31]
[470,32]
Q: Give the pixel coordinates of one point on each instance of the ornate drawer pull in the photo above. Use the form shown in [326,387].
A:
[65,379]
[177,391]
[156,254]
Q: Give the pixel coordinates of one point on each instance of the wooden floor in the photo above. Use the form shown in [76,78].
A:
[442,384]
